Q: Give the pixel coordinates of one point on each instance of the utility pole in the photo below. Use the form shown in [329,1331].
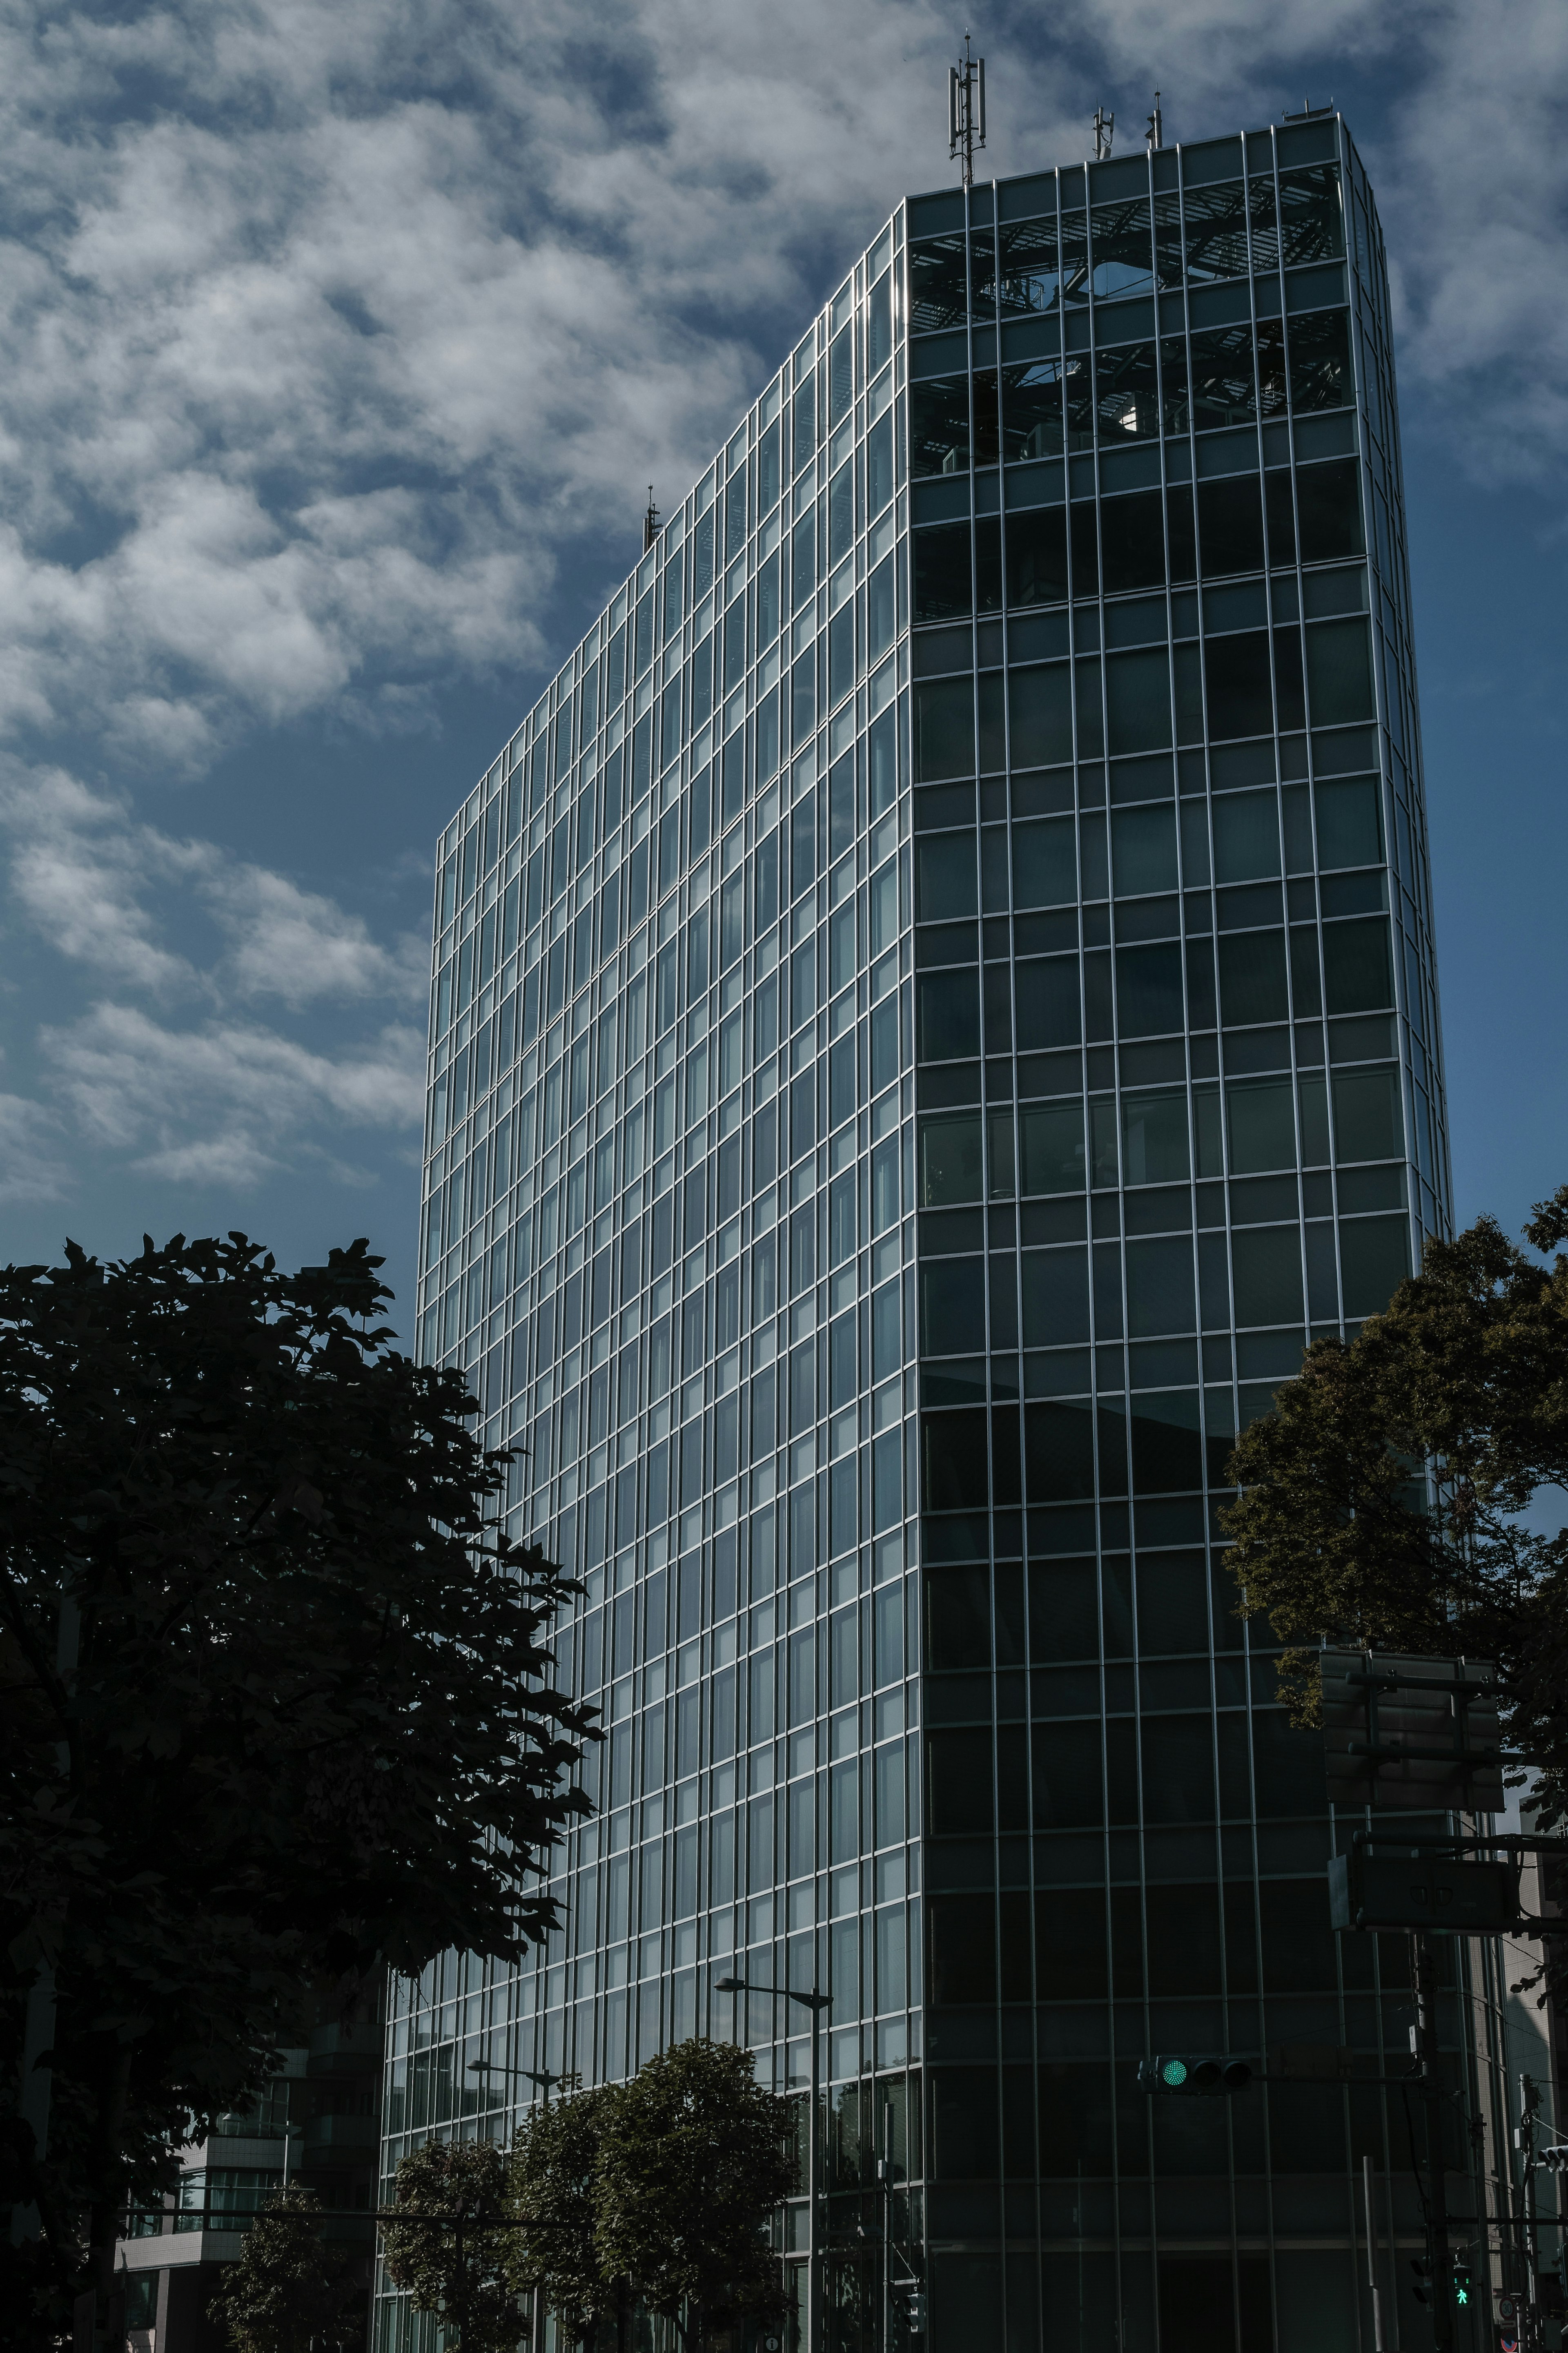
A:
[966,110]
[1104,130]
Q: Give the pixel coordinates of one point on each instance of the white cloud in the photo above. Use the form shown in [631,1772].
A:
[333,337]
[33,1166]
[297,946]
[328,355]
[100,889]
[228,1102]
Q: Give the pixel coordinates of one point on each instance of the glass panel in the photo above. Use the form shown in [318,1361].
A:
[1216,232]
[1311,214]
[1127,392]
[939,426]
[938,283]
[1154,1139]
[1223,387]
[1052,1156]
[951,1161]
[1265,224]
[1027,273]
[1032,408]
[1122,249]
[1262,1120]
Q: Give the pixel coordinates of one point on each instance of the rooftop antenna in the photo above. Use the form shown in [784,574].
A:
[1156,133]
[966,110]
[649,523]
[1104,125]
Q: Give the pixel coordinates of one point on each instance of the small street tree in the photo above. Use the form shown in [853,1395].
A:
[1464,1378]
[553,2180]
[456,2262]
[276,1709]
[288,2293]
[694,2157]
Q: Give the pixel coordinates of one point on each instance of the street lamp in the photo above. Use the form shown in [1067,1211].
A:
[818,2004]
[529,2074]
[546,2083]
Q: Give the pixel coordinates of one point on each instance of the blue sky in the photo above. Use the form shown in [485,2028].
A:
[341,345]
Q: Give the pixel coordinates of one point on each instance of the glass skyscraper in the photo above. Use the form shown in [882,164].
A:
[932,1011]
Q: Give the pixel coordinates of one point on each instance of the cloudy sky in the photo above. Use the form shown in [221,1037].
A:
[340,345]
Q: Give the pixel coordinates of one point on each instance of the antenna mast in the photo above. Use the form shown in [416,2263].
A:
[649,523]
[1104,125]
[1155,134]
[966,111]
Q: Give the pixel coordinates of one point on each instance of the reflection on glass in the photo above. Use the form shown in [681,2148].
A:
[1124,257]
[1223,387]
[1079,384]
[1216,232]
[1127,392]
[1032,408]
[939,426]
[949,1161]
[1168,237]
[1027,273]
[1265,216]
[1053,1154]
[1074,257]
[938,283]
[1311,216]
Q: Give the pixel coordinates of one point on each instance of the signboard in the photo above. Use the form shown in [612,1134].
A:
[1421,1734]
[1423,1891]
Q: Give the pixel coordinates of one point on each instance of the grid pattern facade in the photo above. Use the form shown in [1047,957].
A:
[930,1011]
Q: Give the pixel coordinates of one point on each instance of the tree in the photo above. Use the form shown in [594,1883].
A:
[276,1708]
[288,2293]
[553,2182]
[694,2157]
[457,2266]
[1463,1382]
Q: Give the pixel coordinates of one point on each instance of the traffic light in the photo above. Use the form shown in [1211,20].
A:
[915,2310]
[1422,2267]
[1207,2073]
[1461,2268]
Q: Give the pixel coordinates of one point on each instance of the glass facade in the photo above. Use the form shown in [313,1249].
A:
[930,1011]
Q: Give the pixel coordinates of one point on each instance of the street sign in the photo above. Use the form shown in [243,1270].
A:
[1423,1891]
[1412,1733]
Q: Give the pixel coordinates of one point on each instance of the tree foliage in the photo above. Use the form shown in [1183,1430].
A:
[694,2157]
[457,2266]
[276,1706]
[288,2292]
[1380,1500]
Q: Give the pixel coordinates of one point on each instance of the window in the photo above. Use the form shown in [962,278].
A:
[943,581]
[951,1166]
[1126,393]
[944,729]
[939,426]
[1027,275]
[1154,1139]
[939,284]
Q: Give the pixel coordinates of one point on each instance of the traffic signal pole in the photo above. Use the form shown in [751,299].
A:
[1432,2095]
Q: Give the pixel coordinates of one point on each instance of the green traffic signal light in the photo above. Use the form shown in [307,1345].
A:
[1174,2073]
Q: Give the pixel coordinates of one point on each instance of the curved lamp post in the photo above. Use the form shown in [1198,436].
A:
[818,2004]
